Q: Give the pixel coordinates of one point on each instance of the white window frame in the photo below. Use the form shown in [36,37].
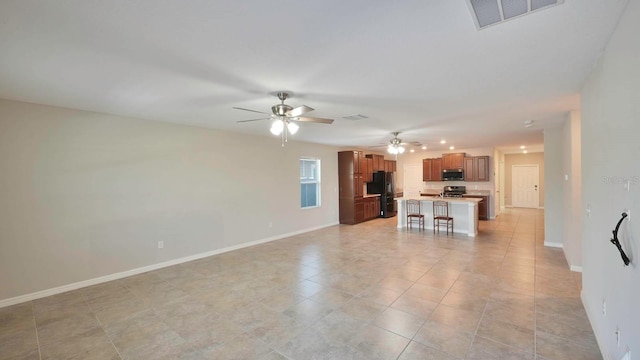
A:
[304,180]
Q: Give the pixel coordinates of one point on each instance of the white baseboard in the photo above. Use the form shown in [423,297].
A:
[595,332]
[553,244]
[576,268]
[124,274]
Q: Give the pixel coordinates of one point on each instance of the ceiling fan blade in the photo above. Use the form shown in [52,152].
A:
[255,111]
[254,119]
[299,111]
[313,120]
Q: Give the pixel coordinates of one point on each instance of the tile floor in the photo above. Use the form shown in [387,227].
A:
[366,291]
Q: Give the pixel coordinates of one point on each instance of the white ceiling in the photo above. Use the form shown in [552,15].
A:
[420,67]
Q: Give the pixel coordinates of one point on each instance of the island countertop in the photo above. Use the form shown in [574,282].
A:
[463,210]
[438,198]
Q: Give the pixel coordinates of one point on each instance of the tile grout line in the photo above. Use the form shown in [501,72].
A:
[427,318]
[84,297]
[35,326]
[475,333]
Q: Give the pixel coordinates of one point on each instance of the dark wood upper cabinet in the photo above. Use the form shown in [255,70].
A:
[390,165]
[432,169]
[482,169]
[378,162]
[357,161]
[470,169]
[367,173]
[453,161]
[426,170]
[476,168]
[436,169]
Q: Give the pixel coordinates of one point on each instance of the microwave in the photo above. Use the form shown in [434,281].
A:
[452,175]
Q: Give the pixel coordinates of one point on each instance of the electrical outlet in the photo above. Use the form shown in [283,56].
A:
[160,244]
[604,306]
[628,211]
[270,224]
[588,210]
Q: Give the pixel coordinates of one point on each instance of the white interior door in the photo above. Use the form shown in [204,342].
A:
[412,181]
[524,186]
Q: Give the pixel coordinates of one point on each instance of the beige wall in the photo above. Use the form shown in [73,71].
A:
[554,219]
[610,124]
[571,190]
[523,159]
[85,195]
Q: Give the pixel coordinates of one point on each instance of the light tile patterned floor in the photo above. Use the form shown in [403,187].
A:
[366,291]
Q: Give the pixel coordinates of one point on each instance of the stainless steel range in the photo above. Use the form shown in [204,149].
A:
[457,191]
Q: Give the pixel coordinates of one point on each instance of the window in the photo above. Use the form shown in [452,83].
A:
[309,182]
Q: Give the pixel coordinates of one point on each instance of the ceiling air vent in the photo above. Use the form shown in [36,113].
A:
[355,117]
[490,12]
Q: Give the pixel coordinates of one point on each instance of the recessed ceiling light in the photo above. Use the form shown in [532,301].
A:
[412,150]
[424,148]
[451,147]
[443,142]
[522,146]
[524,151]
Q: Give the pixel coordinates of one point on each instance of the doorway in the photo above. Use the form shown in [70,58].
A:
[525,186]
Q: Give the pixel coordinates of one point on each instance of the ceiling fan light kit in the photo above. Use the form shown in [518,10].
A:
[395,147]
[286,115]
[277,127]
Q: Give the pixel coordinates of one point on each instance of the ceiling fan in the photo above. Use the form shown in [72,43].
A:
[286,116]
[396,146]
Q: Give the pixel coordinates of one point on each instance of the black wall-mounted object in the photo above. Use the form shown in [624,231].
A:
[616,242]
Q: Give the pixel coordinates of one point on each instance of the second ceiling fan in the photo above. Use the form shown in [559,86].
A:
[396,146]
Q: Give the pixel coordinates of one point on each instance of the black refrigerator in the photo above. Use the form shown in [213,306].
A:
[384,184]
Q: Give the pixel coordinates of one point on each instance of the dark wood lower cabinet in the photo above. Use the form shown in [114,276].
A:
[359,210]
[483,206]
[371,207]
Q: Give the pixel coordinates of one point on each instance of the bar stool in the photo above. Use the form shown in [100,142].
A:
[414,213]
[441,213]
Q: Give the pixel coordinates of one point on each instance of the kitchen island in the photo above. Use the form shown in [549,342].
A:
[464,212]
